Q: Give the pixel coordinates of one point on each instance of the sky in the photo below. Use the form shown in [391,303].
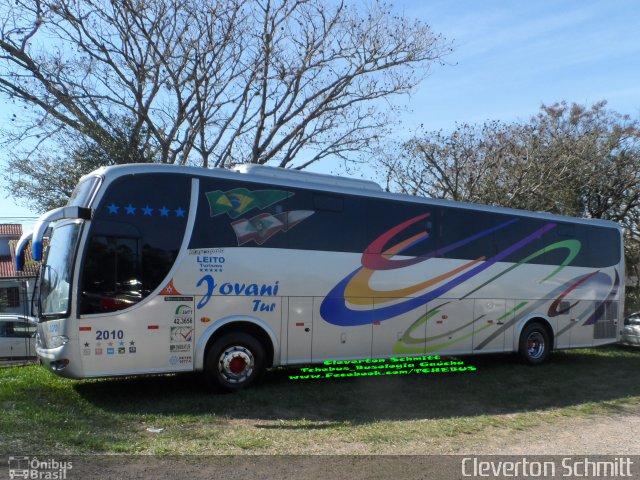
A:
[509,58]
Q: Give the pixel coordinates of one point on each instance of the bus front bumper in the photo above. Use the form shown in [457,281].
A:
[57,360]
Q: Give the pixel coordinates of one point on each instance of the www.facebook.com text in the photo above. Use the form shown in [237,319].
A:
[382,366]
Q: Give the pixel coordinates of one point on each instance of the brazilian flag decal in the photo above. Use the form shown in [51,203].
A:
[239,201]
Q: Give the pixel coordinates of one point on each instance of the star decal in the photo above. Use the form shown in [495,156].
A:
[132,343]
[86,344]
[147,211]
[122,343]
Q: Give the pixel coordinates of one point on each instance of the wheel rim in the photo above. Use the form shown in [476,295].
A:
[535,345]
[236,364]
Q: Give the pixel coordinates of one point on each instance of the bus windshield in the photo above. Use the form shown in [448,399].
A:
[57,271]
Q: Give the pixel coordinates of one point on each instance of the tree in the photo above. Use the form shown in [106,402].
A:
[568,159]
[211,82]
[47,179]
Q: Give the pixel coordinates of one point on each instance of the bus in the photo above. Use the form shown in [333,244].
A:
[163,268]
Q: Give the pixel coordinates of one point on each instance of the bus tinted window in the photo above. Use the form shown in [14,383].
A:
[468,234]
[334,222]
[246,214]
[604,246]
[416,237]
[232,214]
[518,238]
[134,239]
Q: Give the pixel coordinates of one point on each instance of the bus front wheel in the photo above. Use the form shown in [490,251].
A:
[233,362]
[535,344]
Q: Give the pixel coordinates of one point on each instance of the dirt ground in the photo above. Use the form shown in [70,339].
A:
[600,435]
[617,435]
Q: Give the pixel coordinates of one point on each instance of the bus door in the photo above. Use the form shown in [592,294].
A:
[157,337]
[136,236]
[490,317]
[299,334]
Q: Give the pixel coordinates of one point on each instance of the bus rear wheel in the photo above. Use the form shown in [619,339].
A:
[233,362]
[535,344]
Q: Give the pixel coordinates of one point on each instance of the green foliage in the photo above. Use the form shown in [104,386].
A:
[568,159]
[45,180]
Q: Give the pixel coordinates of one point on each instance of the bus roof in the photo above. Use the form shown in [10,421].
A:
[329,183]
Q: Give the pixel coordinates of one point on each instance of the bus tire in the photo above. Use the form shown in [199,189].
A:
[535,344]
[234,361]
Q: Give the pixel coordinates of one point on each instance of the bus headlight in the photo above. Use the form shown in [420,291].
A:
[58,341]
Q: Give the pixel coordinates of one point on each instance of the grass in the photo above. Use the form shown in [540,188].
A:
[400,414]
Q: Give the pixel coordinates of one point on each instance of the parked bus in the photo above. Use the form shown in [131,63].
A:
[156,268]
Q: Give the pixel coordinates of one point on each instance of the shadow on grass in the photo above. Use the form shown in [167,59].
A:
[501,385]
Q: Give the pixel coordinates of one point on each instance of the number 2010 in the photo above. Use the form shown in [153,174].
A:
[109,335]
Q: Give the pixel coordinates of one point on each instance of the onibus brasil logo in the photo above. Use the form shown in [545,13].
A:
[34,468]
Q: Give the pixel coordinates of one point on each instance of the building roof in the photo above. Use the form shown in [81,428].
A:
[30,268]
[6,268]
[7,262]
[10,230]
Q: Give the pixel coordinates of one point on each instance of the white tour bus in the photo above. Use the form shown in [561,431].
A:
[156,268]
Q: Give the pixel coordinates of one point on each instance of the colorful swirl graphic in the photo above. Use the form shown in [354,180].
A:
[355,289]
[598,281]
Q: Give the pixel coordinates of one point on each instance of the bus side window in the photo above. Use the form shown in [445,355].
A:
[466,234]
[604,247]
[566,230]
[328,203]
[334,224]
[421,222]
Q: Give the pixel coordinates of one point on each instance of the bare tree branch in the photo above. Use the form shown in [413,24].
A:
[213,82]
